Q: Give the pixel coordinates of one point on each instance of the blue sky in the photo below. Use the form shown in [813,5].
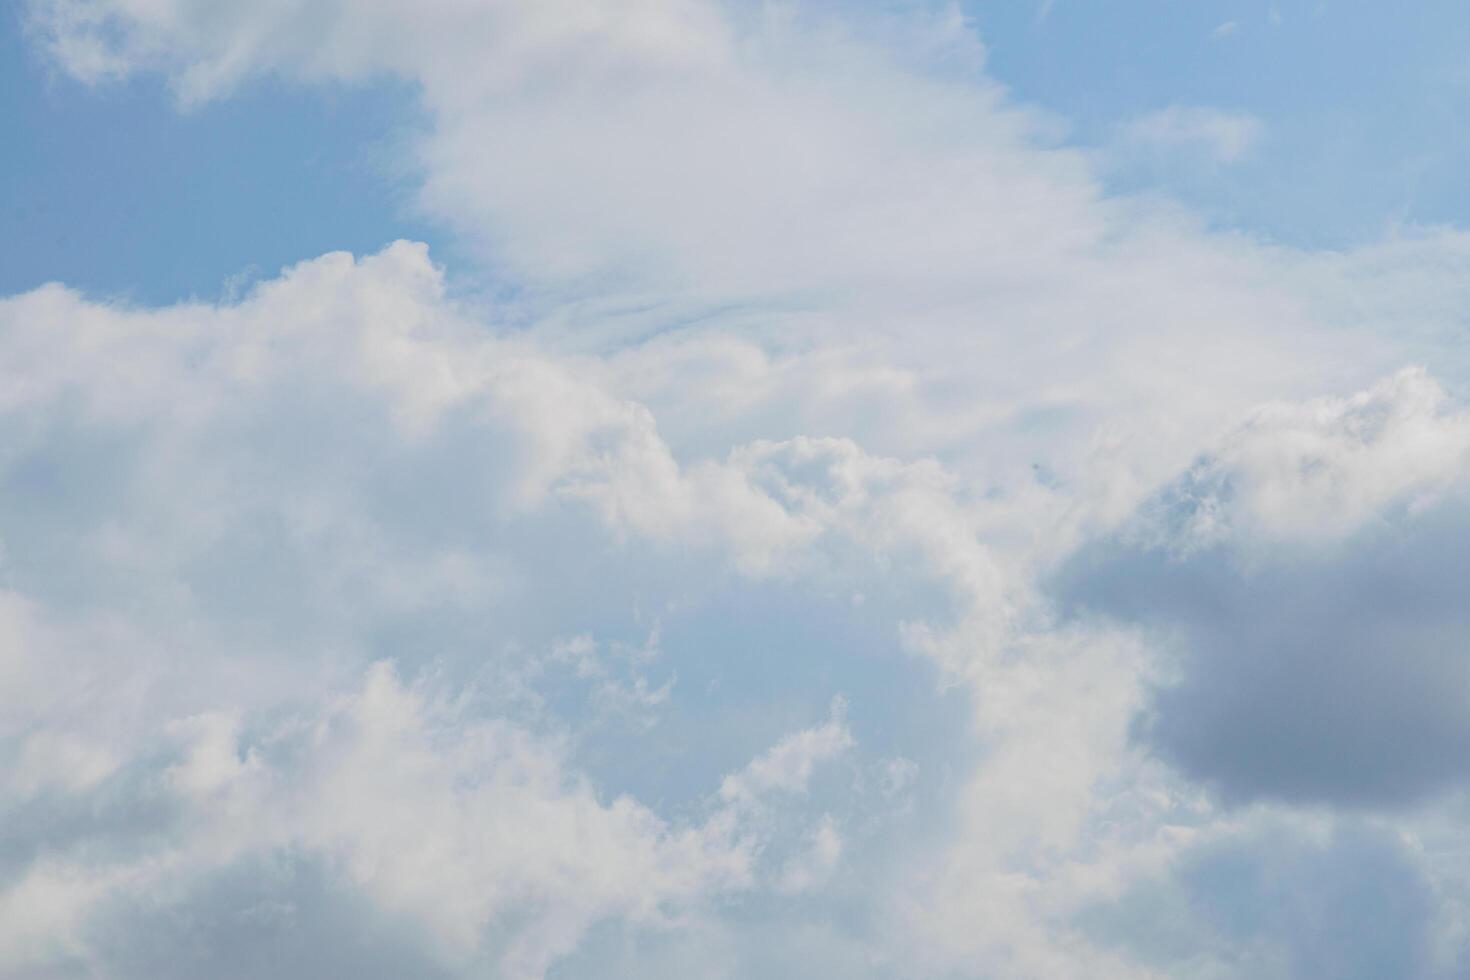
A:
[666,488]
[1363,113]
[116,191]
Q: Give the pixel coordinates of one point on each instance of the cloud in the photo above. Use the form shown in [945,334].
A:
[1307,571]
[1213,135]
[341,463]
[463,635]
[787,767]
[754,154]
[470,839]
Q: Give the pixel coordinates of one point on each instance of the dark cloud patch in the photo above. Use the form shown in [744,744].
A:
[1334,672]
[125,815]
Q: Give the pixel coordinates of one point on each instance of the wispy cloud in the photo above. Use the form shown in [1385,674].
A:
[1212,134]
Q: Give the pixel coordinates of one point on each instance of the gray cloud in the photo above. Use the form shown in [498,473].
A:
[1309,665]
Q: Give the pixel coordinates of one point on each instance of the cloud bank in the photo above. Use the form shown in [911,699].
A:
[837,537]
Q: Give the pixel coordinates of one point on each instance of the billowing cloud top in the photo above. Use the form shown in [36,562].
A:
[841,539]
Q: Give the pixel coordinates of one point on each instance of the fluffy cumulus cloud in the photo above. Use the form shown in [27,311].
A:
[838,538]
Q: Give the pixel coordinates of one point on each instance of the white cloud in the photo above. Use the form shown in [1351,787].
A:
[787,767]
[1321,469]
[470,827]
[1212,134]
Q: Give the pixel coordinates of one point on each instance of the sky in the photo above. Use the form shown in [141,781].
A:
[666,488]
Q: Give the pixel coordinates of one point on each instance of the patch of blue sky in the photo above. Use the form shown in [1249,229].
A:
[1362,106]
[115,191]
